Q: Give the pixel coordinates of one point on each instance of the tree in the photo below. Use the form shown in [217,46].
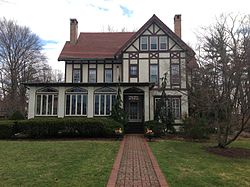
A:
[20,54]
[117,112]
[222,92]
[163,110]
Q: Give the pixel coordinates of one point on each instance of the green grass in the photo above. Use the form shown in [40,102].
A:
[188,164]
[56,163]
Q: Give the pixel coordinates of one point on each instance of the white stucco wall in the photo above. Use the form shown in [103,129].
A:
[69,73]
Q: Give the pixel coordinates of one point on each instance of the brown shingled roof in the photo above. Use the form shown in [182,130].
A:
[95,45]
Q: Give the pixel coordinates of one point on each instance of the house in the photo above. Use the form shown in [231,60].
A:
[95,63]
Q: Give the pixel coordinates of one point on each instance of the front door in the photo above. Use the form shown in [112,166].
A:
[134,109]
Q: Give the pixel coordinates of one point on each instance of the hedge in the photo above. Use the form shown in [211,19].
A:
[6,129]
[66,127]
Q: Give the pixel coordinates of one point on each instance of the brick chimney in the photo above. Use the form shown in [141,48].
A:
[73,31]
[177,25]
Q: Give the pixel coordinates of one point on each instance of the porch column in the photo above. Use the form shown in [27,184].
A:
[61,102]
[90,106]
[146,104]
[32,101]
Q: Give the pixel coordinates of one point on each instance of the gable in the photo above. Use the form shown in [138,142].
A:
[155,27]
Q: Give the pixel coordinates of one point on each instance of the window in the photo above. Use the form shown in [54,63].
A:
[46,102]
[175,74]
[144,43]
[154,73]
[76,75]
[173,106]
[108,75]
[133,70]
[163,42]
[76,102]
[104,100]
[153,42]
[92,75]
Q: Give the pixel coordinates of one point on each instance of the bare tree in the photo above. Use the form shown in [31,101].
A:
[222,92]
[20,53]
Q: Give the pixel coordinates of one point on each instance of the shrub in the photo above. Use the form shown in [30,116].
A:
[67,127]
[196,128]
[156,127]
[6,129]
[17,115]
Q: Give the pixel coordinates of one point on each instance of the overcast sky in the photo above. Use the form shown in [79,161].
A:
[50,18]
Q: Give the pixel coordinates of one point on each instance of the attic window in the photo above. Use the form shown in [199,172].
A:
[163,42]
[153,42]
[144,43]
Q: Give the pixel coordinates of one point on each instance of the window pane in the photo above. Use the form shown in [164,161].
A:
[84,105]
[49,104]
[73,105]
[153,42]
[79,100]
[76,75]
[67,104]
[107,104]
[144,43]
[55,104]
[108,75]
[154,73]
[175,76]
[44,104]
[113,100]
[133,70]
[163,42]
[92,75]
[102,105]
[176,108]
[38,104]
[97,104]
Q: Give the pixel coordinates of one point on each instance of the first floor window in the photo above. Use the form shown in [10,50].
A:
[103,104]
[154,73]
[76,102]
[173,106]
[133,70]
[46,104]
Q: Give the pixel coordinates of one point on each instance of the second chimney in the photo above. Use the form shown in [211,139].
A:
[73,31]
[177,25]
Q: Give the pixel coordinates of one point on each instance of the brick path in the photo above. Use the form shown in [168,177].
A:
[135,165]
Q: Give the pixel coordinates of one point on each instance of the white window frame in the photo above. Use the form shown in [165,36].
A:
[76,94]
[111,95]
[142,43]
[161,39]
[46,94]
[151,38]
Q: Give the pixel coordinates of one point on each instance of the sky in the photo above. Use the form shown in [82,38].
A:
[49,19]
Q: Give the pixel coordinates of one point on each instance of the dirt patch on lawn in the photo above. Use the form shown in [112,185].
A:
[230,152]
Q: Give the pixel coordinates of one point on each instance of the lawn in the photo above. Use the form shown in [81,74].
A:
[56,163]
[188,164]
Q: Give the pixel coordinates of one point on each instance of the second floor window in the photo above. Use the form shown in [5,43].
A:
[175,74]
[92,75]
[108,75]
[144,43]
[154,73]
[76,75]
[133,70]
[153,43]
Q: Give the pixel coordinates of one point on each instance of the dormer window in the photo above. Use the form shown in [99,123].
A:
[153,42]
[144,43]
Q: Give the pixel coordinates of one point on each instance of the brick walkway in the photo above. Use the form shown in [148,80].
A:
[135,165]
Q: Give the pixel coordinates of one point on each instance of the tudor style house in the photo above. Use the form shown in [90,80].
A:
[95,63]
